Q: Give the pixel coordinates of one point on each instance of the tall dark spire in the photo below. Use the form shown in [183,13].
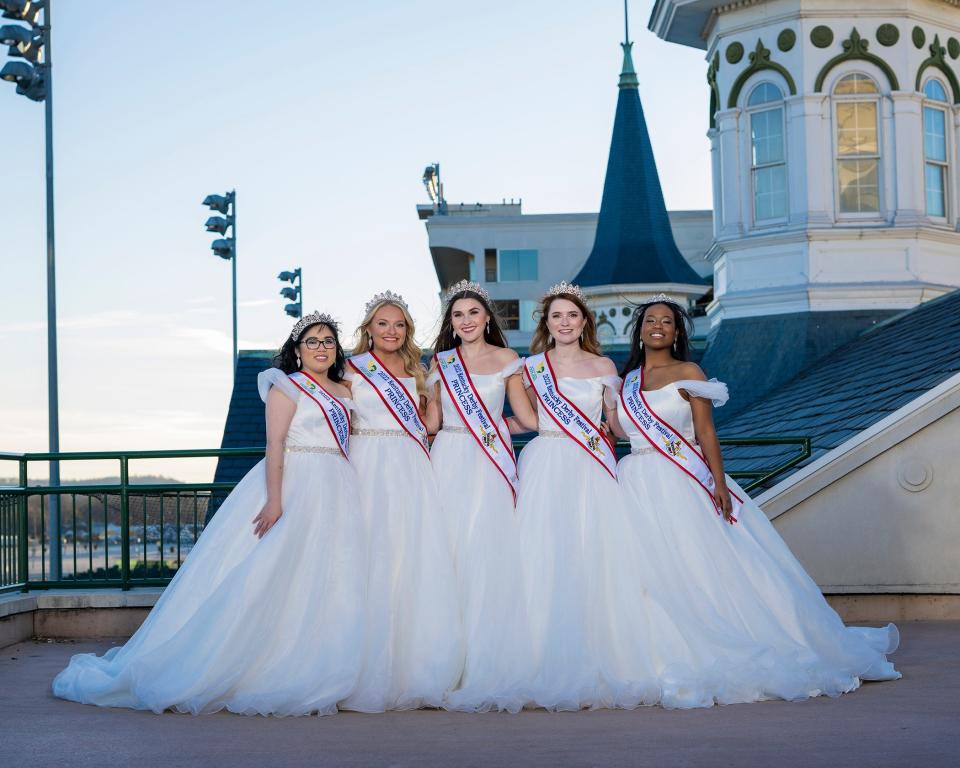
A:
[634,242]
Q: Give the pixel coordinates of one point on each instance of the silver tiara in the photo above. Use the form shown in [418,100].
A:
[380,298]
[316,318]
[467,285]
[569,288]
[662,298]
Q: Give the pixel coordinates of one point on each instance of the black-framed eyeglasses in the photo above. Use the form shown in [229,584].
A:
[314,343]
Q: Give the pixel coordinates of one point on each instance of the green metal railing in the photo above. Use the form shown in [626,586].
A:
[120,534]
[128,534]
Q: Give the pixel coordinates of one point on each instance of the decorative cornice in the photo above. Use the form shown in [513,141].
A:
[759,61]
[938,60]
[855,49]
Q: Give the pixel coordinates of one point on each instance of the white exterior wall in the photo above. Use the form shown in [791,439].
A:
[818,258]
[890,500]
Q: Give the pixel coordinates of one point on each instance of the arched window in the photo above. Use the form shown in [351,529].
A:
[768,162]
[935,166]
[857,102]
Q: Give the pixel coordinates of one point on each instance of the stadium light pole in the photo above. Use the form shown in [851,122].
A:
[34,79]
[293,292]
[226,247]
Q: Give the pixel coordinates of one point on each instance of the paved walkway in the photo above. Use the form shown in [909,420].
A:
[914,722]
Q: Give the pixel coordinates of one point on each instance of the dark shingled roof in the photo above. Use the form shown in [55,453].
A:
[634,242]
[755,355]
[246,425]
[854,387]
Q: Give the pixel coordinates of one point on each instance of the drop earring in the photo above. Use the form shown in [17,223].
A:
[455,335]
[641,345]
[488,327]
[370,340]
[298,361]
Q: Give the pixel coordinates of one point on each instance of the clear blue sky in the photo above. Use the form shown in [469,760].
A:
[322,115]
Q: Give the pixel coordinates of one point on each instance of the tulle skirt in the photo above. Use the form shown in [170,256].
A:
[591,620]
[414,644]
[773,635]
[483,530]
[255,626]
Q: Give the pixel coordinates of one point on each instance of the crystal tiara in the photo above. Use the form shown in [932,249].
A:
[386,296]
[568,288]
[315,318]
[466,285]
[662,298]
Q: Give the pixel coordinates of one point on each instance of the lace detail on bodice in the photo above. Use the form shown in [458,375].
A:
[309,426]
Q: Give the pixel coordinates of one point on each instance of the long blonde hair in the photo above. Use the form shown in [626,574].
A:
[409,352]
[542,341]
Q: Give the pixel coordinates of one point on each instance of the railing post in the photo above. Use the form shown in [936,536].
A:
[124,524]
[23,548]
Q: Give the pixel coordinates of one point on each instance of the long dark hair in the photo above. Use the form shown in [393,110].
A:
[681,321]
[492,334]
[286,357]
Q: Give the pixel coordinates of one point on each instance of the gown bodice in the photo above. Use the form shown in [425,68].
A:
[309,427]
[370,412]
[669,405]
[586,394]
[490,386]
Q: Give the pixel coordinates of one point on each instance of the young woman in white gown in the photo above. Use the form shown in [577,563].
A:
[593,622]
[265,616]
[414,643]
[721,561]
[476,476]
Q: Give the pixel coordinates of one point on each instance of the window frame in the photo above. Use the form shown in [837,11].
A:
[750,112]
[836,100]
[944,165]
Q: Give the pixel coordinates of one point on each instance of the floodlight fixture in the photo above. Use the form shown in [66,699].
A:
[294,310]
[220,203]
[223,248]
[290,293]
[218,224]
[17,72]
[289,277]
[11,34]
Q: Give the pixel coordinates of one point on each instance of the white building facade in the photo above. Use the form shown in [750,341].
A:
[834,138]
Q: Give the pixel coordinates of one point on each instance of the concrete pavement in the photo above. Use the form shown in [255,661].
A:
[912,722]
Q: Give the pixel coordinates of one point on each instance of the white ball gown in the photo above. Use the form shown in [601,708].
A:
[739,580]
[478,507]
[414,644]
[594,623]
[255,626]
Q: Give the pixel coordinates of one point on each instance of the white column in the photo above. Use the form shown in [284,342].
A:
[810,142]
[732,185]
[953,173]
[714,135]
[905,158]
[889,172]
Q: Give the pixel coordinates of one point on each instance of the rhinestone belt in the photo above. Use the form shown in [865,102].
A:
[552,433]
[456,430]
[311,449]
[380,433]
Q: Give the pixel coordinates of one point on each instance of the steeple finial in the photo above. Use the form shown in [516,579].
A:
[628,75]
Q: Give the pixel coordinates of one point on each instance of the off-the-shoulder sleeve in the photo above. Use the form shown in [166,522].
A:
[611,389]
[274,377]
[511,368]
[713,390]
